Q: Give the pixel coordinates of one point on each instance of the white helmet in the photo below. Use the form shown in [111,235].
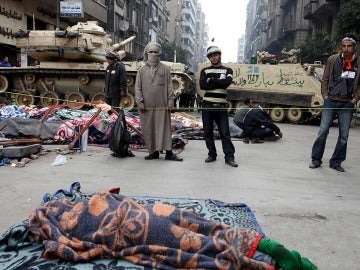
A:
[213,49]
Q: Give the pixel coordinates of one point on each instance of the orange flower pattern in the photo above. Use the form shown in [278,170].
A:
[153,235]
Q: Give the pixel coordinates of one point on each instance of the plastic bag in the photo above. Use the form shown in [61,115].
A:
[59,160]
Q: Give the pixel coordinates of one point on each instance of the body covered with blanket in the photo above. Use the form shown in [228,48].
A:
[153,235]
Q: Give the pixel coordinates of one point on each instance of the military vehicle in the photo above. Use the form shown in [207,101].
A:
[292,90]
[71,68]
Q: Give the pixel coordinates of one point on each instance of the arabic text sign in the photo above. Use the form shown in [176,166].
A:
[71,9]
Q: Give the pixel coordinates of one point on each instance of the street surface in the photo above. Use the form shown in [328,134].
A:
[313,211]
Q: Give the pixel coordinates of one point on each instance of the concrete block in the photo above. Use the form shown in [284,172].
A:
[21,151]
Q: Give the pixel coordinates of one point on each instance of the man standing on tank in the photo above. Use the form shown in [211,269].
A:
[115,80]
[215,80]
[340,89]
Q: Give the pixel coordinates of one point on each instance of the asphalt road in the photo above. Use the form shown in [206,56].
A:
[313,211]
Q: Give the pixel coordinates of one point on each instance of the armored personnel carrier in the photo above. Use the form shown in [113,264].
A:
[292,90]
[71,68]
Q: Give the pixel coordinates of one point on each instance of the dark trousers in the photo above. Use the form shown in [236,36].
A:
[113,102]
[344,111]
[221,118]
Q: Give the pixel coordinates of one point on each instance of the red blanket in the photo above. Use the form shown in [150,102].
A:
[154,235]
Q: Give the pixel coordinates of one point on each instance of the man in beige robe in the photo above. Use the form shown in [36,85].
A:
[154,96]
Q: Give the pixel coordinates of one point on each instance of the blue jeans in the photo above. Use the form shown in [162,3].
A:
[344,111]
[221,118]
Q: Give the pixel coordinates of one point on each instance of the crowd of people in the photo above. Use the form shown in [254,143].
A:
[155,100]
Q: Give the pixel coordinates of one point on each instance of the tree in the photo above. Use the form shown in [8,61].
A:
[168,50]
[349,18]
[318,48]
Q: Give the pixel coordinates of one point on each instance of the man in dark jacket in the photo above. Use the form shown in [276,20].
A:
[258,125]
[115,80]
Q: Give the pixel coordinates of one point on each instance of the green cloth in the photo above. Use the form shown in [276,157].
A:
[285,259]
[240,114]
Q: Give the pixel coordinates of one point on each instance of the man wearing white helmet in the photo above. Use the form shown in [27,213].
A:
[214,80]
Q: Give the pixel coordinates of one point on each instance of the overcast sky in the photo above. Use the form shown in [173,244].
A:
[227,22]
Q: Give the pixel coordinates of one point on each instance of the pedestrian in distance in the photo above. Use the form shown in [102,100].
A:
[115,81]
[259,126]
[240,115]
[215,80]
[340,89]
[154,96]
[5,62]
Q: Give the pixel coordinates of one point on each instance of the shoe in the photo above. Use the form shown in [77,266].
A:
[246,140]
[210,159]
[231,163]
[272,138]
[130,154]
[174,158]
[151,156]
[337,167]
[315,164]
[257,140]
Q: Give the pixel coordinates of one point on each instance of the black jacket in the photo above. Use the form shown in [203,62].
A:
[257,118]
[115,80]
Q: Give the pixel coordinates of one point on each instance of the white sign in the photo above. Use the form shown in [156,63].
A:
[71,9]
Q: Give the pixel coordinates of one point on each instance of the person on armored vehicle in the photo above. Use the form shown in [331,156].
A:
[115,80]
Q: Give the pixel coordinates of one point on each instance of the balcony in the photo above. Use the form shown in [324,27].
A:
[308,11]
[261,7]
[319,9]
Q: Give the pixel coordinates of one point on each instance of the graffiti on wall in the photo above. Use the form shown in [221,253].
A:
[254,77]
[9,13]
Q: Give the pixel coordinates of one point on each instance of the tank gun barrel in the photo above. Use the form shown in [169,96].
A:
[117,46]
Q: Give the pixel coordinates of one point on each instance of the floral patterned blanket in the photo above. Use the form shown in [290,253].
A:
[152,235]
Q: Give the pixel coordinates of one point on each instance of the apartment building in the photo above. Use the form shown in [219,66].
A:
[241,50]
[274,24]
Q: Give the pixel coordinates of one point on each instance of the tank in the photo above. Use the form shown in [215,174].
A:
[292,90]
[71,67]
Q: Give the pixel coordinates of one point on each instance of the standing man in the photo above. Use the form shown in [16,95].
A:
[115,81]
[214,80]
[5,62]
[154,96]
[340,89]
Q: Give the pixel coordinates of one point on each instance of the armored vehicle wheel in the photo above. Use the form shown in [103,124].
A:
[130,80]
[29,78]
[75,97]
[4,84]
[294,115]
[24,98]
[178,84]
[127,103]
[277,114]
[97,97]
[84,79]
[230,106]
[49,98]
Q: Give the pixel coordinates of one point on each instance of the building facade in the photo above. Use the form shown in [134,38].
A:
[275,24]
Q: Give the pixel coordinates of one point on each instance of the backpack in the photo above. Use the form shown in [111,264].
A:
[119,138]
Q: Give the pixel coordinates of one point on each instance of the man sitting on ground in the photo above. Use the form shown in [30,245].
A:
[240,115]
[258,125]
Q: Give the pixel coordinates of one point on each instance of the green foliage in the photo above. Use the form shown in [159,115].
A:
[168,50]
[349,18]
[317,48]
